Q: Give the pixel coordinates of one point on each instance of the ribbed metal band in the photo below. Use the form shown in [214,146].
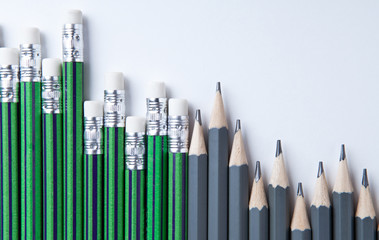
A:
[51,94]
[93,135]
[30,63]
[9,83]
[156,116]
[178,128]
[135,151]
[72,42]
[114,108]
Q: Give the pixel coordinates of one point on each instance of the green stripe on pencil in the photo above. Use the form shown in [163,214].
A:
[31,136]
[156,161]
[135,182]
[72,42]
[178,122]
[52,148]
[9,143]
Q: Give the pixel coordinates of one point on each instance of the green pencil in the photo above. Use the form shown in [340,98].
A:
[135,182]
[9,143]
[31,136]
[178,122]
[156,161]
[93,170]
[72,42]
[114,121]
[52,148]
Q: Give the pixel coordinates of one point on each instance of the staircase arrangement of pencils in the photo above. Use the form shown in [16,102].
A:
[97,174]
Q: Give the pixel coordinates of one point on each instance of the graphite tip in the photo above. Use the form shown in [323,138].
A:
[257,171]
[320,169]
[343,153]
[278,148]
[218,87]
[364,178]
[238,126]
[300,190]
[198,116]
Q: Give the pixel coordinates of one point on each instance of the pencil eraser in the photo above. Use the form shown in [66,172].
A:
[93,109]
[74,16]
[114,81]
[156,90]
[135,124]
[177,107]
[9,56]
[31,35]
[51,67]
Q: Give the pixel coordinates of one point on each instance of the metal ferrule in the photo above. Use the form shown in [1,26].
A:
[93,135]
[72,42]
[135,151]
[156,116]
[114,108]
[51,94]
[30,63]
[9,83]
[178,134]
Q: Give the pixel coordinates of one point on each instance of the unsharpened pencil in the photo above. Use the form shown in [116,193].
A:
[343,202]
[300,228]
[279,199]
[321,209]
[365,217]
[197,183]
[218,154]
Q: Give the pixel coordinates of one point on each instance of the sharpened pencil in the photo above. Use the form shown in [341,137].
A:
[300,228]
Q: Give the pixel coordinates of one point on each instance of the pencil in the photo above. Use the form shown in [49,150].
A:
[72,43]
[365,217]
[258,208]
[52,148]
[31,136]
[93,170]
[343,202]
[300,228]
[278,198]
[178,169]
[238,188]
[135,182]
[114,133]
[218,155]
[156,161]
[197,183]
[321,209]
[9,143]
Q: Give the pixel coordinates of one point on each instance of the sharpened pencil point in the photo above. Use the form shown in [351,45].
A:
[300,190]
[278,148]
[198,116]
[257,171]
[364,178]
[320,169]
[343,153]
[218,87]
[238,126]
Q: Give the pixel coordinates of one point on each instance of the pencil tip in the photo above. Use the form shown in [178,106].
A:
[198,116]
[320,169]
[300,190]
[218,87]
[238,126]
[257,171]
[364,178]
[278,148]
[343,153]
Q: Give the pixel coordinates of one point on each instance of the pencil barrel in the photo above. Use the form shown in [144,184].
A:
[321,220]
[157,187]
[114,189]
[301,235]
[258,224]
[343,216]
[9,176]
[365,229]
[279,205]
[53,176]
[73,149]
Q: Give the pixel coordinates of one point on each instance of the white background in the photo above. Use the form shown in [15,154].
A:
[305,72]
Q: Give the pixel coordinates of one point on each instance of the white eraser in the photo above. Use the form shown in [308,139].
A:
[114,81]
[156,90]
[93,109]
[74,16]
[9,56]
[31,35]
[51,67]
[135,124]
[177,107]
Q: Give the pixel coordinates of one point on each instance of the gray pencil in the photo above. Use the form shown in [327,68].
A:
[365,217]
[258,208]
[279,199]
[343,202]
[238,188]
[300,228]
[197,183]
[321,211]
[218,171]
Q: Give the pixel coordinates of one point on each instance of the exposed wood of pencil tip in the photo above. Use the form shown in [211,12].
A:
[300,219]
[321,193]
[343,182]
[365,206]
[279,173]
[218,118]
[238,154]
[197,146]
[258,197]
